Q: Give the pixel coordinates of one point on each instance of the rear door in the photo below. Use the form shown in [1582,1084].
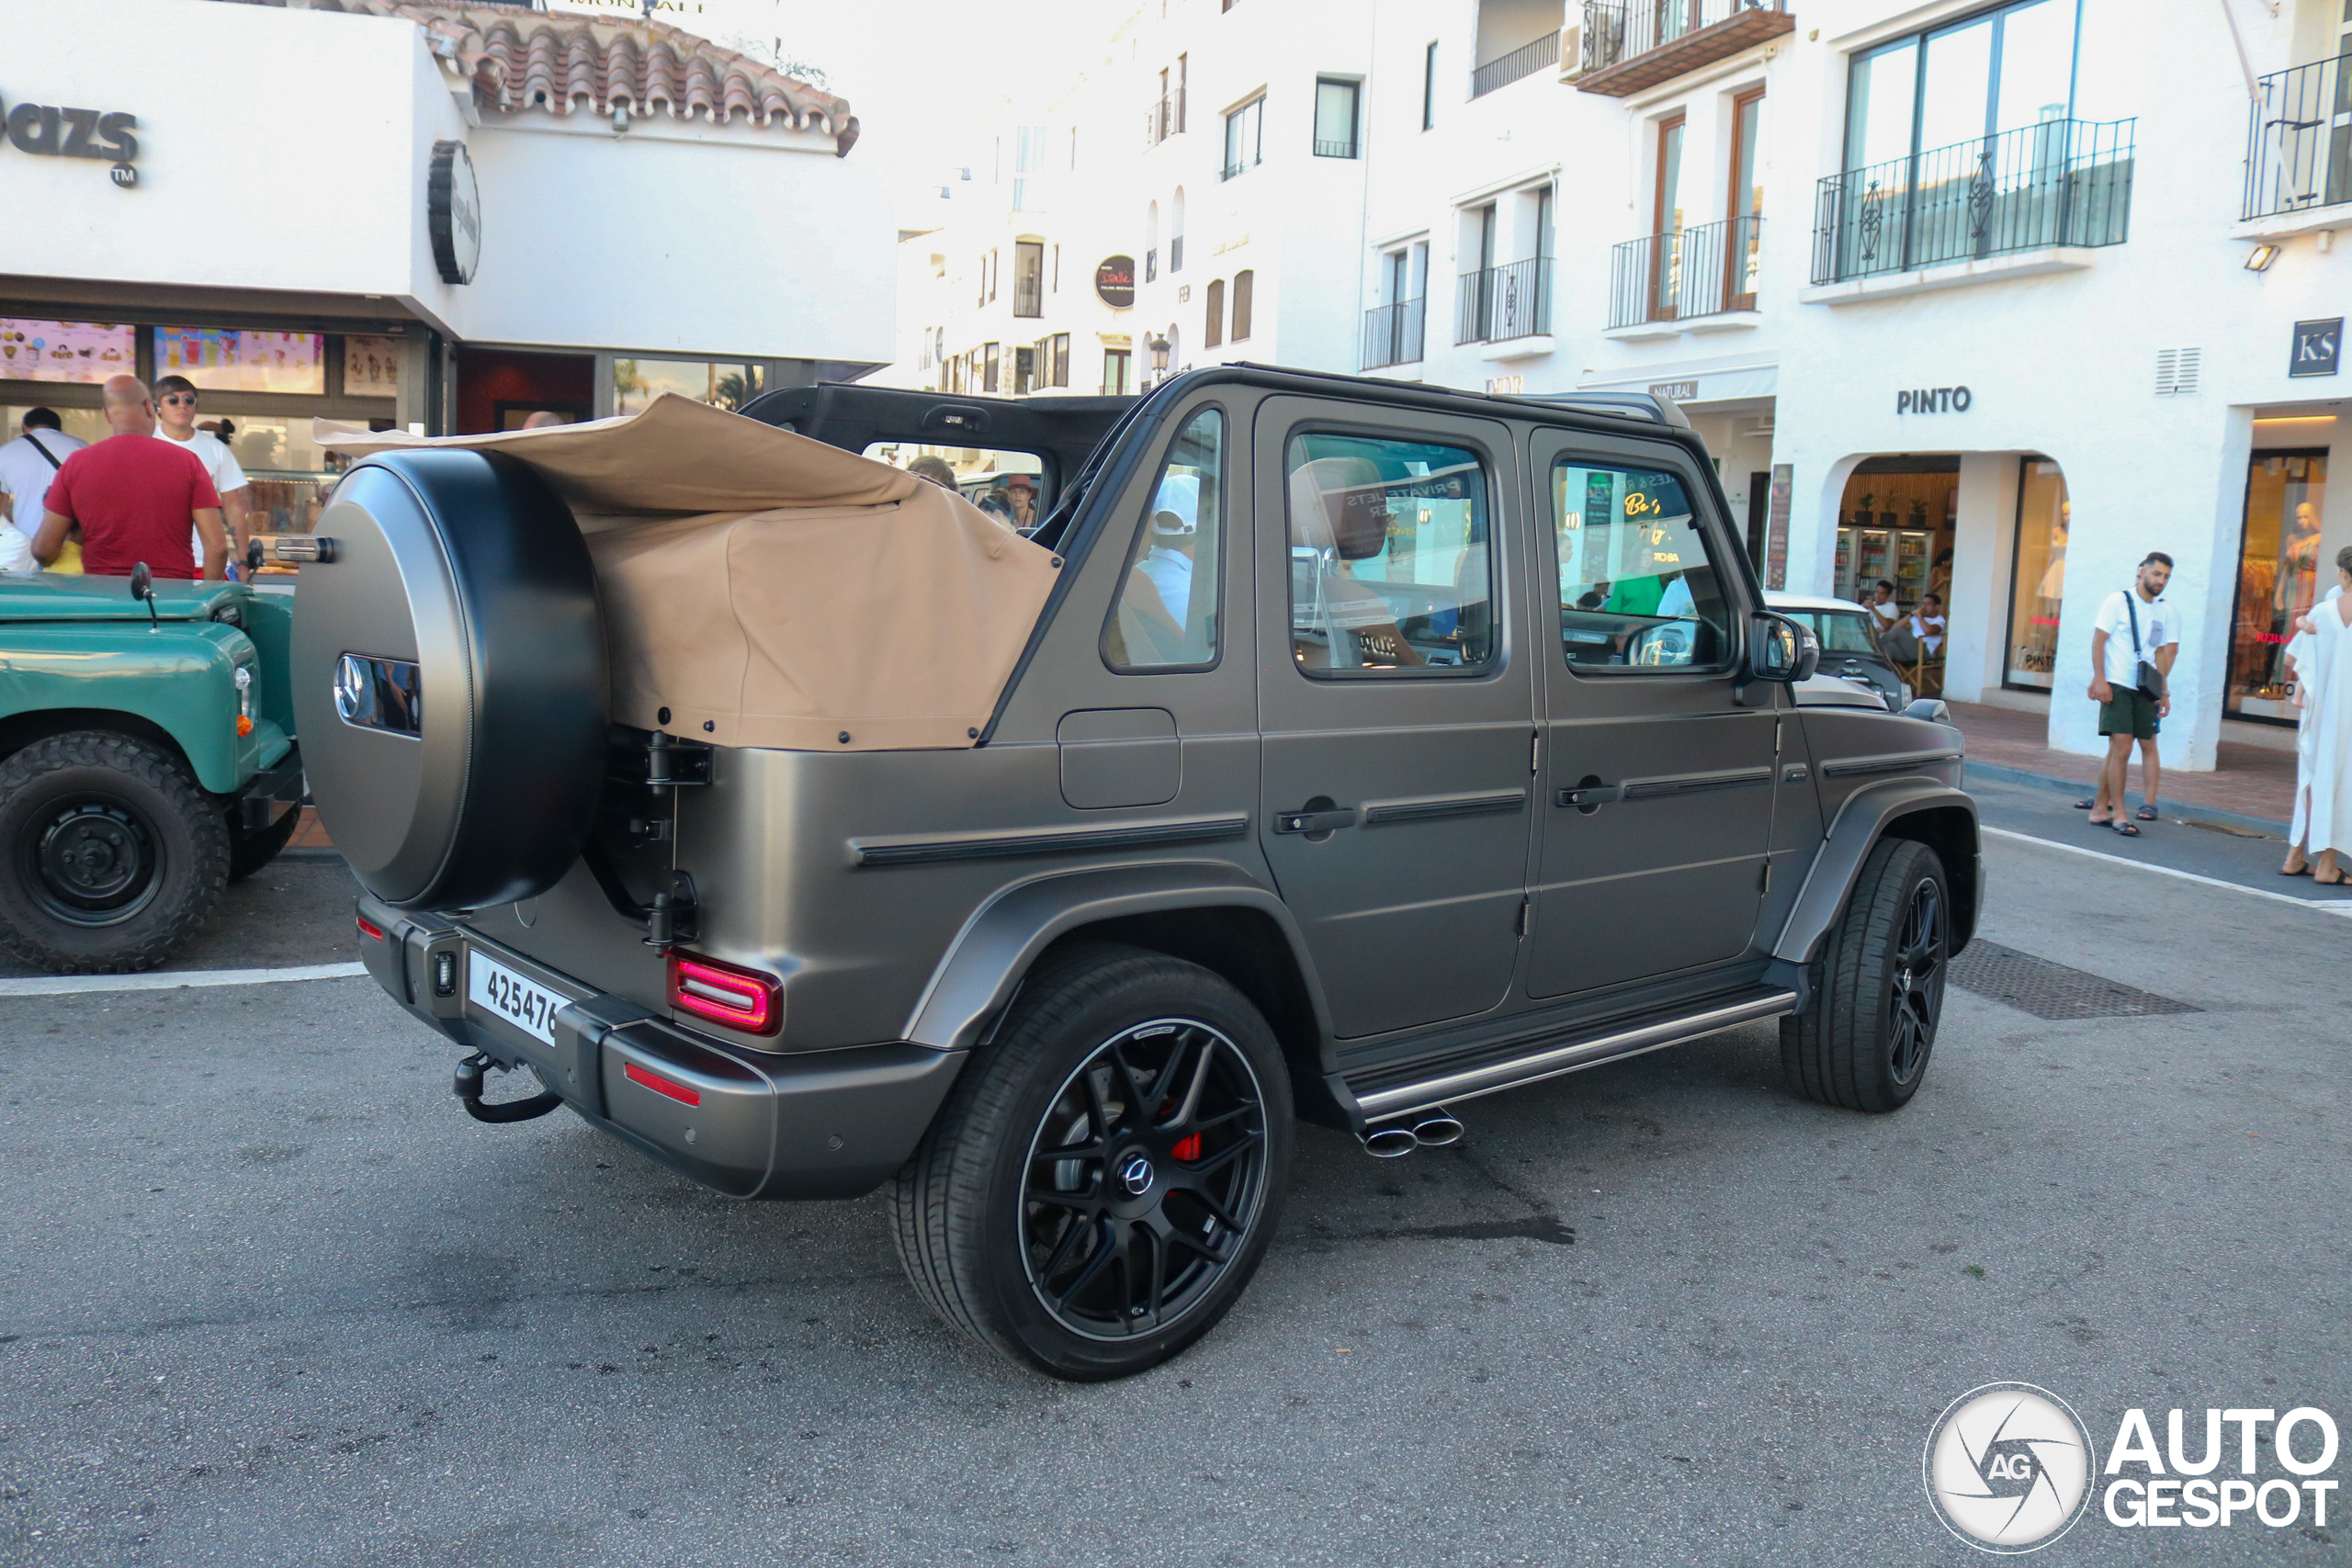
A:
[1396,704]
[1657,777]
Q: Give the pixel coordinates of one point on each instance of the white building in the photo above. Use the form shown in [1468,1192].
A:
[1996,280]
[432,215]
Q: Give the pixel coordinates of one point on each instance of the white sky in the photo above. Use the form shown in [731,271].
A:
[919,74]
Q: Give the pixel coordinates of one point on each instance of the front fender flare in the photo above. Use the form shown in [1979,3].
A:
[1861,822]
[985,963]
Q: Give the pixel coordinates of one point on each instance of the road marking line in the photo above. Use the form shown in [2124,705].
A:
[2339,907]
[65,985]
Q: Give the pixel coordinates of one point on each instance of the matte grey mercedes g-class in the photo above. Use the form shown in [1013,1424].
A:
[1332,749]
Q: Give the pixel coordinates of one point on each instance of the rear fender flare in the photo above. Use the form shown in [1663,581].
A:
[985,963]
[1865,819]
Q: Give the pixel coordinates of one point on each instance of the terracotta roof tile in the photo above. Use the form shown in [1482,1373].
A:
[553,62]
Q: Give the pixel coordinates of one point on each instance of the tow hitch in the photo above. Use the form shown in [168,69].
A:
[468,1088]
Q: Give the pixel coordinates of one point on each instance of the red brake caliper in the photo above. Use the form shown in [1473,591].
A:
[1188,1149]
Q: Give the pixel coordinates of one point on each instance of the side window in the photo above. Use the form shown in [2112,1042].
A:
[1166,614]
[1391,567]
[1637,586]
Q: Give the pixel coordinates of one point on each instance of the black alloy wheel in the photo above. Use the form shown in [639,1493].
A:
[1868,1028]
[111,854]
[1106,1173]
[1144,1177]
[1915,991]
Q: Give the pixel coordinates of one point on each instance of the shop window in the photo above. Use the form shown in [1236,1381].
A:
[1053,359]
[1215,333]
[720,383]
[35,350]
[1028,278]
[1390,560]
[1639,588]
[1166,617]
[2285,495]
[1245,288]
[1897,522]
[1118,372]
[1025,370]
[987,368]
[2037,582]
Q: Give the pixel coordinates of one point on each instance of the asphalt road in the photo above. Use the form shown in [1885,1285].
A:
[266,1296]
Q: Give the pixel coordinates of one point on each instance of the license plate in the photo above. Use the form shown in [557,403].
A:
[495,988]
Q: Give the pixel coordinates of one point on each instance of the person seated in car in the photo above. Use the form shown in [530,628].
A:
[1358,627]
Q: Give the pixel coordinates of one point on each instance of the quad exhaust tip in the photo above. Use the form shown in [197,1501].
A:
[1434,1130]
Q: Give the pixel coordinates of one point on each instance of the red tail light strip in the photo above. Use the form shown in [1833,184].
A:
[660,1085]
[370,929]
[741,1000]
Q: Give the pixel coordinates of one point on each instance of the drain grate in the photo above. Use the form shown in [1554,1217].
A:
[2050,990]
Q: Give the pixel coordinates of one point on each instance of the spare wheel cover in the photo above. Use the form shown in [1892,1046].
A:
[462,576]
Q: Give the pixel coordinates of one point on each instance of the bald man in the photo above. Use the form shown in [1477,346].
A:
[136,499]
[543,419]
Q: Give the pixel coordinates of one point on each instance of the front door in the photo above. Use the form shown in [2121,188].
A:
[1396,703]
[1658,782]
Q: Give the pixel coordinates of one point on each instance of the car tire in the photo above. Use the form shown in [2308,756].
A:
[1052,1261]
[249,850]
[110,855]
[1869,1027]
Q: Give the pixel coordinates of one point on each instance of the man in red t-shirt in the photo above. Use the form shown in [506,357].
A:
[134,497]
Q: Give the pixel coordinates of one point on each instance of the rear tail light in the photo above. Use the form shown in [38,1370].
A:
[659,1085]
[370,929]
[741,1000]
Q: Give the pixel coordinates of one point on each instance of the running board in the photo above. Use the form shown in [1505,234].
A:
[1379,1105]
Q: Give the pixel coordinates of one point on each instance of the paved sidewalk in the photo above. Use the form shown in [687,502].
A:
[2252,780]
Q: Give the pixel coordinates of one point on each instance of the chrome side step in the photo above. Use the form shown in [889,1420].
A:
[1492,1076]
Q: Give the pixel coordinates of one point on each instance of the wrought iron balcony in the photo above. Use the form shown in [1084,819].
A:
[1627,45]
[1704,270]
[1392,334]
[2299,150]
[2064,181]
[1164,119]
[1499,303]
[1525,61]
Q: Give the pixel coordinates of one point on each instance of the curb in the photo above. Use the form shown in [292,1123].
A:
[2075,787]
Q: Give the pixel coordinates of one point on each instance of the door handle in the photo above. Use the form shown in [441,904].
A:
[1587,797]
[1304,821]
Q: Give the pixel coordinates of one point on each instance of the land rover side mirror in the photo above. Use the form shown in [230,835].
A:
[1781,651]
[143,588]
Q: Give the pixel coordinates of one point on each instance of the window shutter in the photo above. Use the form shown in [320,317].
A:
[2177,371]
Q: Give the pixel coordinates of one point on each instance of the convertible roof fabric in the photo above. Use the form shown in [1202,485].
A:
[771,591]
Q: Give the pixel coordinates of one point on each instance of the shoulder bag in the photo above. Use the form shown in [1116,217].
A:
[2152,680]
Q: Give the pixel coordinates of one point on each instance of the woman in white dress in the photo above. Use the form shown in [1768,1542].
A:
[2323,655]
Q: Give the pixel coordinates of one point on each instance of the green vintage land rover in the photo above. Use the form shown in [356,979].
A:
[147,759]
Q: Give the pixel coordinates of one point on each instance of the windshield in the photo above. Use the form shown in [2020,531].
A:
[1840,631]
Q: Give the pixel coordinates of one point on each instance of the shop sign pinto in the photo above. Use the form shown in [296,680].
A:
[54,132]
[1934,400]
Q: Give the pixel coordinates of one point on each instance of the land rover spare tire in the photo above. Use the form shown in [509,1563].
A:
[450,678]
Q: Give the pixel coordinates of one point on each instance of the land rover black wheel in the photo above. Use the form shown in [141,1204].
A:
[1863,1040]
[250,849]
[110,855]
[1103,1180]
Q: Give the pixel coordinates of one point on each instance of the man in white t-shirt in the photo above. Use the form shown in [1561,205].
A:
[2133,626]
[175,420]
[28,465]
[1929,623]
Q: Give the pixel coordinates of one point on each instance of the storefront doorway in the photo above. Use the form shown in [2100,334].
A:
[2278,553]
[1895,524]
[2037,575]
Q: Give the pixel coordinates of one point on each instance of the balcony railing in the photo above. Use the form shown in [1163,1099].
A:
[2064,181]
[1392,334]
[2299,150]
[1028,297]
[1164,119]
[1703,270]
[1627,45]
[1499,303]
[1525,61]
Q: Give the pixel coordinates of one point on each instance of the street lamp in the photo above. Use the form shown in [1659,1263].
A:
[1158,347]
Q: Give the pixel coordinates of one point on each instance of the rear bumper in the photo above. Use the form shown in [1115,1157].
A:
[817,1124]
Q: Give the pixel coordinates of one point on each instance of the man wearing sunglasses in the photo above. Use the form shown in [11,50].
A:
[176,411]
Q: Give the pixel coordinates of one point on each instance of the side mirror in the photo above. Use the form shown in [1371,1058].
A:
[255,556]
[1781,651]
[143,588]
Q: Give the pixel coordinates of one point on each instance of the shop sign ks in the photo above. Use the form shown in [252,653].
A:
[54,132]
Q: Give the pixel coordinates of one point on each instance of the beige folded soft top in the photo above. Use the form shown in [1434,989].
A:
[769,589]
